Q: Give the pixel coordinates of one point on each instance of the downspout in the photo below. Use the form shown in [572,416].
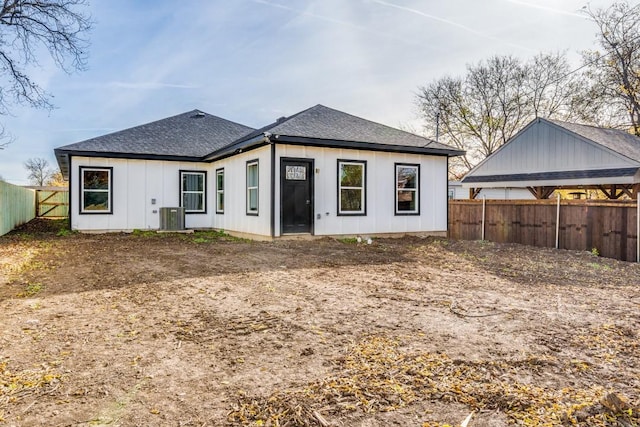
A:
[447,195]
[273,184]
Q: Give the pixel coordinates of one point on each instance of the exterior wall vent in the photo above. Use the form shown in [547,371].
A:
[171,219]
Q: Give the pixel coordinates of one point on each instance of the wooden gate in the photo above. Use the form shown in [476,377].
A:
[52,203]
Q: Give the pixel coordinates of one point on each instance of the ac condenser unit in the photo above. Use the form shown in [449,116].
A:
[171,219]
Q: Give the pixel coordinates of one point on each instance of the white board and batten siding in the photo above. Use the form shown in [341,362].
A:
[380,192]
[136,183]
[549,148]
[235,216]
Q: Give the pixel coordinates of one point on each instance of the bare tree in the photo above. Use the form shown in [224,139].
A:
[615,71]
[39,171]
[27,26]
[480,111]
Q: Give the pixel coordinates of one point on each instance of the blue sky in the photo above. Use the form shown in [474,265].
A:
[252,61]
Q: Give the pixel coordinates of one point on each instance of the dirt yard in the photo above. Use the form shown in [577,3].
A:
[205,330]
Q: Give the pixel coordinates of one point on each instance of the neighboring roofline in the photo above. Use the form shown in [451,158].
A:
[616,153]
[358,145]
[509,141]
[557,126]
[556,175]
[46,188]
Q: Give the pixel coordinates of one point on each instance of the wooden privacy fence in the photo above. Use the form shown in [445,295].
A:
[17,206]
[53,203]
[610,227]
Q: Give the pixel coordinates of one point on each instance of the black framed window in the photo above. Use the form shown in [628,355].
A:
[352,188]
[96,190]
[219,190]
[193,195]
[407,189]
[252,187]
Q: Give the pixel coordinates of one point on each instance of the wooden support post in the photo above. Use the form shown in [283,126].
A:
[473,192]
[484,215]
[541,192]
[558,223]
[627,190]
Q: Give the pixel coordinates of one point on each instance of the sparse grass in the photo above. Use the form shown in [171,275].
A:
[144,233]
[348,240]
[597,266]
[209,236]
[66,232]
[200,236]
[32,289]
[356,240]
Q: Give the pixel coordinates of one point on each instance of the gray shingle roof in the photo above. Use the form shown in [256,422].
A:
[200,136]
[190,134]
[322,122]
[614,139]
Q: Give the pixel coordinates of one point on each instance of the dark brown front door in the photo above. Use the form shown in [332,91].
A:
[296,195]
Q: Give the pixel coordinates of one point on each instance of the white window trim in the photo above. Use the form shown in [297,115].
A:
[220,191]
[203,192]
[416,190]
[363,188]
[255,188]
[109,209]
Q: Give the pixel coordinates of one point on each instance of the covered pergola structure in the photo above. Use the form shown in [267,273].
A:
[549,155]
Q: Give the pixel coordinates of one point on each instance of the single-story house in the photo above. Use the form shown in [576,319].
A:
[457,192]
[550,154]
[319,172]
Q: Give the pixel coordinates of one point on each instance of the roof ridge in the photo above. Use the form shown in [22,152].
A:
[271,125]
[195,111]
[560,122]
[429,140]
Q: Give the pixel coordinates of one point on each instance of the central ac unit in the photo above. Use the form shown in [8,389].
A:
[171,219]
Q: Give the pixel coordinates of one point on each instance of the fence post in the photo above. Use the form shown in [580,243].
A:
[484,209]
[638,230]
[558,223]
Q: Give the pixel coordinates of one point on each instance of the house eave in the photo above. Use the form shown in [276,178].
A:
[62,156]
[238,147]
[358,145]
[578,177]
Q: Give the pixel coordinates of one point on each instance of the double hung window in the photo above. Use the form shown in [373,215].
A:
[252,187]
[220,191]
[351,187]
[193,191]
[407,189]
[96,190]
